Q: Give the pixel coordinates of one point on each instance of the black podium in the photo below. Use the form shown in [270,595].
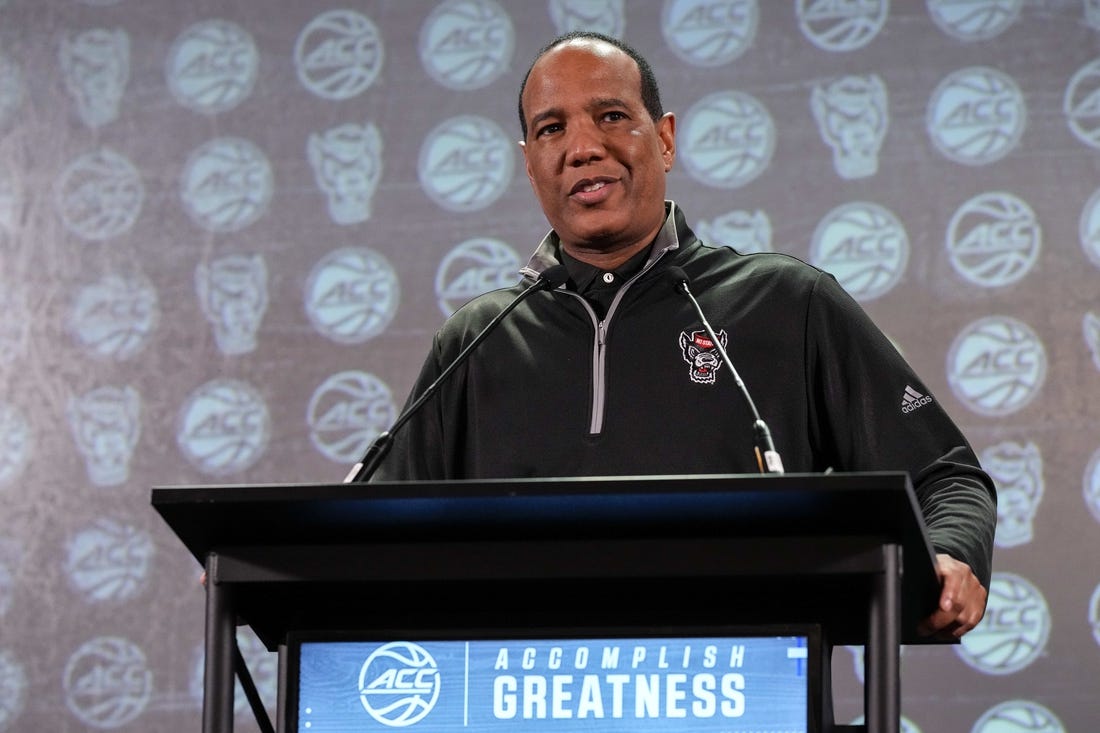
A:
[847,553]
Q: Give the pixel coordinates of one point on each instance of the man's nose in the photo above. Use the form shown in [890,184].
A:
[585,144]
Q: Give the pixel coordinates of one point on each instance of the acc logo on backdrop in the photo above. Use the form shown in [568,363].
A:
[840,26]
[346,413]
[864,246]
[212,66]
[1088,228]
[109,561]
[1018,716]
[347,165]
[106,426]
[729,138]
[976,115]
[994,239]
[338,54]
[1091,485]
[11,91]
[974,20]
[232,291]
[744,231]
[1017,470]
[13,688]
[223,427]
[96,67]
[709,32]
[996,365]
[1090,326]
[467,44]
[474,267]
[16,443]
[1081,102]
[351,295]
[115,317]
[1014,631]
[226,184]
[99,195]
[465,163]
[852,117]
[399,684]
[107,682]
[602,16]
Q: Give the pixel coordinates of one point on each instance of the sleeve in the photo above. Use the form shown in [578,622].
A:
[870,411]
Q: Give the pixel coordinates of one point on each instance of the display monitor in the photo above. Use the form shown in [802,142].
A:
[726,680]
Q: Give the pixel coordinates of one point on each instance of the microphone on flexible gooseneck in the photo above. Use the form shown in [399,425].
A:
[767,458]
[551,278]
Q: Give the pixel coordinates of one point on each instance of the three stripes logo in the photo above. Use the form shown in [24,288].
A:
[911,399]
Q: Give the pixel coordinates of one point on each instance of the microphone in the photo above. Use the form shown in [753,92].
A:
[551,278]
[767,458]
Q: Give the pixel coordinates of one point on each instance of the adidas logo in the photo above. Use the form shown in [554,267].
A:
[911,399]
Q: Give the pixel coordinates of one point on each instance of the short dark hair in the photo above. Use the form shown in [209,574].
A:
[651,96]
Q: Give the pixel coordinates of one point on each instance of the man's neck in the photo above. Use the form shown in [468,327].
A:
[605,259]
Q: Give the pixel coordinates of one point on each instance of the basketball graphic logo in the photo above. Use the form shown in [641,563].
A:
[467,44]
[13,688]
[601,16]
[994,239]
[99,195]
[839,26]
[346,413]
[1014,631]
[226,184]
[352,295]
[465,163]
[1018,716]
[472,268]
[864,246]
[709,32]
[115,317]
[223,427]
[338,55]
[1088,228]
[1081,102]
[212,66]
[974,20]
[996,365]
[399,684]
[976,116]
[107,682]
[109,561]
[729,138]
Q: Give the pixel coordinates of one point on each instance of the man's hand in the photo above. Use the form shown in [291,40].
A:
[962,601]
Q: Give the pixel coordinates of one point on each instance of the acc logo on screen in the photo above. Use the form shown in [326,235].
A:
[226,184]
[1081,102]
[212,66]
[996,365]
[16,441]
[1023,716]
[976,116]
[864,246]
[602,16]
[974,20]
[841,26]
[99,195]
[338,54]
[399,684]
[351,295]
[1014,631]
[994,239]
[474,267]
[109,561]
[223,427]
[1088,228]
[107,682]
[465,163]
[106,426]
[709,32]
[1017,469]
[730,138]
[96,67]
[13,688]
[347,412]
[115,317]
[467,44]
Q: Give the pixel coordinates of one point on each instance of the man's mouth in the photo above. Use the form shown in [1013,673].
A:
[589,186]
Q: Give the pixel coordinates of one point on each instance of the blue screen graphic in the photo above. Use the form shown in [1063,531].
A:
[719,685]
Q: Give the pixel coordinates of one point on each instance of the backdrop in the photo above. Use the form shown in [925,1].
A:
[228,231]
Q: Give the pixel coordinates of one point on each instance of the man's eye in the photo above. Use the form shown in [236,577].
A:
[546,129]
[615,116]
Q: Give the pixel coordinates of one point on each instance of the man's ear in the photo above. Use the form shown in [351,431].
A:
[666,133]
[526,163]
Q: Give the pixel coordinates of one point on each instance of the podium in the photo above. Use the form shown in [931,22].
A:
[847,553]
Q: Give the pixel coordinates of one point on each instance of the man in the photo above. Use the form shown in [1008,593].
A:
[611,373]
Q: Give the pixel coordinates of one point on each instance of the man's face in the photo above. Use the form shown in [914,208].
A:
[596,160]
